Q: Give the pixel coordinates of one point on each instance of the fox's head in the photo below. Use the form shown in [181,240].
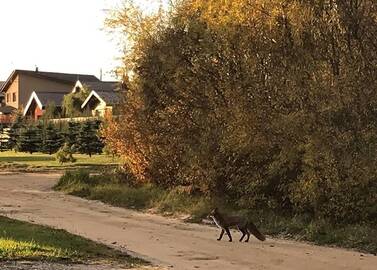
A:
[213,213]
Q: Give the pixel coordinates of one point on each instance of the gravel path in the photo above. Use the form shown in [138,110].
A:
[166,242]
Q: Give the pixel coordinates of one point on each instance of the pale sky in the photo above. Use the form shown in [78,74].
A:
[58,36]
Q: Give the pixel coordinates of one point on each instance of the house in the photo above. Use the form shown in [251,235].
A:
[19,86]
[5,111]
[6,114]
[103,97]
[1,94]
[100,86]
[101,103]
[38,101]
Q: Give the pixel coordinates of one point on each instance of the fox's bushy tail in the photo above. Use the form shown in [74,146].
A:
[254,231]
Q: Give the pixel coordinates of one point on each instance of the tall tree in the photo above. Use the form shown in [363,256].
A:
[52,139]
[88,141]
[14,131]
[269,103]
[29,140]
[71,134]
[72,103]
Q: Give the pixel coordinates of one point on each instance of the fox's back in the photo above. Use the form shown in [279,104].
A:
[229,221]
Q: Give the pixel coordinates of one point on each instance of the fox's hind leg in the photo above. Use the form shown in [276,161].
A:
[244,232]
[221,235]
[229,235]
[248,235]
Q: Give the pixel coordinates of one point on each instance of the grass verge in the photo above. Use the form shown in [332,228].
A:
[15,161]
[118,191]
[23,241]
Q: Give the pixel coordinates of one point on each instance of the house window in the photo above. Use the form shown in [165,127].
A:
[14,99]
[8,97]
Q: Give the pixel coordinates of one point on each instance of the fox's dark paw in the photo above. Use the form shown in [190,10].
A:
[218,239]
[230,240]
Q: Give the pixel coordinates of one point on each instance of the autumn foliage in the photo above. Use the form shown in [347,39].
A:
[269,104]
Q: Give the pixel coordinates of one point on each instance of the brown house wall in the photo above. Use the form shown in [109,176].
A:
[28,84]
[13,88]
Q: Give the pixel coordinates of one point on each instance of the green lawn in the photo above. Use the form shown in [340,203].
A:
[24,241]
[37,161]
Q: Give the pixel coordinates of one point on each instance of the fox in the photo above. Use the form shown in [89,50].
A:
[245,226]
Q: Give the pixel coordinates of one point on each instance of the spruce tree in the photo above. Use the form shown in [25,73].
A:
[52,140]
[29,140]
[88,141]
[14,132]
[71,134]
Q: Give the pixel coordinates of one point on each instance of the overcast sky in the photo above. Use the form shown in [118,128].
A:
[57,35]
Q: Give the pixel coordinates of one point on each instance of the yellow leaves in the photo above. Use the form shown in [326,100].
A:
[262,18]
[225,12]
[250,12]
[132,26]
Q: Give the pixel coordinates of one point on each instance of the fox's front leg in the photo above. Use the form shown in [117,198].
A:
[229,235]
[221,235]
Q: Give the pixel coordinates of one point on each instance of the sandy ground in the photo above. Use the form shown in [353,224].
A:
[166,242]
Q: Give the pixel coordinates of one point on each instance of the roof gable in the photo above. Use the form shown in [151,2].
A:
[109,98]
[44,98]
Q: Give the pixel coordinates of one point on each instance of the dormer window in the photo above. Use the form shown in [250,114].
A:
[77,89]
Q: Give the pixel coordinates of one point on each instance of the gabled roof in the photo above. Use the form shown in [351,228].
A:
[110,98]
[99,86]
[103,86]
[44,98]
[67,78]
[1,84]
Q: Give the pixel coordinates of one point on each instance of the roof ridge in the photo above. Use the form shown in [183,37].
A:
[51,92]
[54,72]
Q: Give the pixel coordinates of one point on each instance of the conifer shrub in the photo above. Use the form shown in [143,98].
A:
[65,154]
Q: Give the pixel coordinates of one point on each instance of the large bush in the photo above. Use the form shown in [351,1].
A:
[270,104]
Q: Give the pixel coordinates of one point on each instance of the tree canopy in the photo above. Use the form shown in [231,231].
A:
[268,103]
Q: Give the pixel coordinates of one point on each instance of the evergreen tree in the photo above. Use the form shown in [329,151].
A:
[52,139]
[88,141]
[14,132]
[71,134]
[29,140]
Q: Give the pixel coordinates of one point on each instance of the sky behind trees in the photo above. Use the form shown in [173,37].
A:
[61,36]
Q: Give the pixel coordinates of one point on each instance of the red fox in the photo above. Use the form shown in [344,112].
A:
[244,226]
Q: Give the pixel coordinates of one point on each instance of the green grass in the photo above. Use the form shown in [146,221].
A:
[361,237]
[120,191]
[11,160]
[116,190]
[23,241]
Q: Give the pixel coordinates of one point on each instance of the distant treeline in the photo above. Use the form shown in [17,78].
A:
[47,137]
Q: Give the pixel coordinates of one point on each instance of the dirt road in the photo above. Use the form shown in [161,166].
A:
[163,241]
